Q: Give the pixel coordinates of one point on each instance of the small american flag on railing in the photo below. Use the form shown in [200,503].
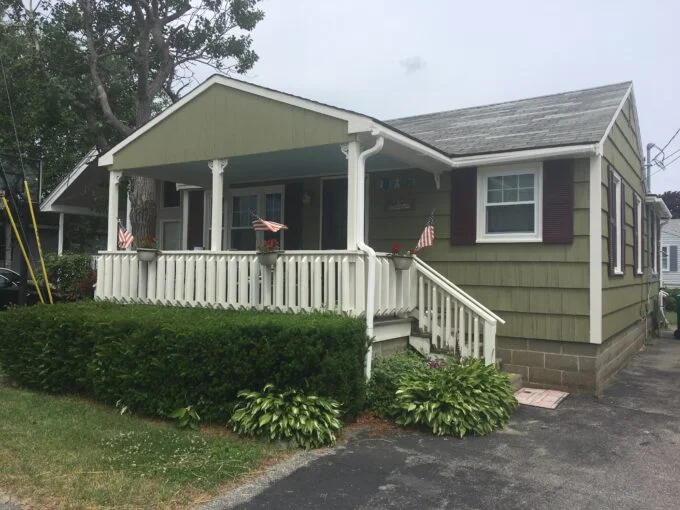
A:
[261,225]
[427,237]
[125,238]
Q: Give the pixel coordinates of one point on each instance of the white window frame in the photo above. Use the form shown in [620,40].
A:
[654,243]
[483,175]
[616,178]
[162,236]
[261,191]
[638,233]
[665,264]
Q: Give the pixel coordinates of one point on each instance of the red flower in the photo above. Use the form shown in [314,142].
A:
[396,248]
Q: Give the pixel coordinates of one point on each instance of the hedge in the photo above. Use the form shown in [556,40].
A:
[156,359]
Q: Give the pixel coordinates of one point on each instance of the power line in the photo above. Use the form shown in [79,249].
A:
[669,141]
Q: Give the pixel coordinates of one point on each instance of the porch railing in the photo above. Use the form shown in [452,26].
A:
[300,280]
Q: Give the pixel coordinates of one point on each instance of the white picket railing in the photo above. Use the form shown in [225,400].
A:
[395,290]
[452,316]
[300,280]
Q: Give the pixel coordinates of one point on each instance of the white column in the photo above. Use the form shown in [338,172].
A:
[354,203]
[217,166]
[128,209]
[112,234]
[60,238]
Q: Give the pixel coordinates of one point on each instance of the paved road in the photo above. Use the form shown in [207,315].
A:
[620,452]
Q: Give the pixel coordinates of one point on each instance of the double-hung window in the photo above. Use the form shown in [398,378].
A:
[616,231]
[246,203]
[664,258]
[509,203]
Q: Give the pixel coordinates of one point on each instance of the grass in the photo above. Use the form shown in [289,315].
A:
[672,320]
[69,453]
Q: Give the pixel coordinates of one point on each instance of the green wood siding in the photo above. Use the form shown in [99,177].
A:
[223,123]
[624,297]
[541,290]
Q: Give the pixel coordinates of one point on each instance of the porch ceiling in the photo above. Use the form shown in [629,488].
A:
[317,161]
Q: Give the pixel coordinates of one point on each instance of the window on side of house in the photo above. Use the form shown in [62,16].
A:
[616,226]
[170,194]
[510,203]
[653,242]
[664,258]
[637,233]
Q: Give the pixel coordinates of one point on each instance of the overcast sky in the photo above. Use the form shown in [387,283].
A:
[393,58]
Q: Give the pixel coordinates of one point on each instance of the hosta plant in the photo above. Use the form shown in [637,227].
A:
[455,398]
[308,421]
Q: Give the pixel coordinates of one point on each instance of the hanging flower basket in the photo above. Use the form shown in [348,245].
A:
[402,258]
[402,262]
[147,254]
[268,253]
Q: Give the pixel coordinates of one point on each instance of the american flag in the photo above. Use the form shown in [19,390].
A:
[427,237]
[261,225]
[125,238]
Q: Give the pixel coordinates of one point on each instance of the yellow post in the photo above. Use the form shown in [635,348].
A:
[37,240]
[23,250]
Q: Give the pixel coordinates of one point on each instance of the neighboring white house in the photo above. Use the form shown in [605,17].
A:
[670,241]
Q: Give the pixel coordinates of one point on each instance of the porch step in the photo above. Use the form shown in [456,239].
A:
[392,328]
[420,342]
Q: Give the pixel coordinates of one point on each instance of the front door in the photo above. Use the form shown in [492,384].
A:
[334,214]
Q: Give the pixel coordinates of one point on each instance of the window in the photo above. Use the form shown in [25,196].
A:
[170,194]
[509,203]
[171,235]
[653,242]
[616,231]
[267,203]
[664,258]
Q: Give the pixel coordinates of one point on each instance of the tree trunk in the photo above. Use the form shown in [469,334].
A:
[143,206]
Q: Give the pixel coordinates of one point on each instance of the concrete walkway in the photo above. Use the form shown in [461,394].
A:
[620,452]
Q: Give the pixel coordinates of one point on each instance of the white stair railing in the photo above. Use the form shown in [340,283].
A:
[452,317]
[300,281]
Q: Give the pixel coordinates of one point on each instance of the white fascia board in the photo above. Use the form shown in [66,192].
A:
[410,143]
[355,123]
[64,184]
[71,209]
[660,206]
[616,115]
[526,155]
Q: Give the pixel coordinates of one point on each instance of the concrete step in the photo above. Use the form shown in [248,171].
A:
[516,381]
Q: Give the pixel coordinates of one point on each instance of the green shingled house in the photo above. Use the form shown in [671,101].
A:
[546,254]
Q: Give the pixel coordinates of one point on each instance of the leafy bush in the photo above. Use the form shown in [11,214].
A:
[307,420]
[187,417]
[71,274]
[158,359]
[448,397]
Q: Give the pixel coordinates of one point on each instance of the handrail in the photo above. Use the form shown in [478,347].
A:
[457,292]
[240,252]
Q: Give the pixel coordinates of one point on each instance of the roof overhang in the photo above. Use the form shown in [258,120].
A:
[659,205]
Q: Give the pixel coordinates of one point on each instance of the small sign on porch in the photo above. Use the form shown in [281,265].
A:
[400,205]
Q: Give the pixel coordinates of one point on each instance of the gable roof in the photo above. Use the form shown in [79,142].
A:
[569,118]
[672,228]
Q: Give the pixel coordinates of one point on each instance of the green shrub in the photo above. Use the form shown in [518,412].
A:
[384,383]
[71,274]
[158,359]
[307,420]
[456,399]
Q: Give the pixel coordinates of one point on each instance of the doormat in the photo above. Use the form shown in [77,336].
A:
[547,399]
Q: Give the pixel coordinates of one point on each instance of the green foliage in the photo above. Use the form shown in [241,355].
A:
[307,420]
[187,417]
[156,359]
[672,200]
[669,301]
[448,397]
[71,275]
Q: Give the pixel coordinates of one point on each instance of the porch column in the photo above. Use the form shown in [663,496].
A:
[112,233]
[217,166]
[60,238]
[354,201]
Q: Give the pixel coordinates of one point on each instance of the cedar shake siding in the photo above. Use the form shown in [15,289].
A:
[624,297]
[541,289]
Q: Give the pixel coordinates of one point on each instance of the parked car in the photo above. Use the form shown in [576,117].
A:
[10,286]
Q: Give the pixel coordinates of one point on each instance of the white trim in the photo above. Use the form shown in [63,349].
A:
[637,203]
[73,209]
[595,241]
[659,206]
[620,227]
[47,205]
[162,236]
[666,266]
[411,143]
[483,175]
[573,151]
[189,187]
[612,122]
[60,235]
[260,191]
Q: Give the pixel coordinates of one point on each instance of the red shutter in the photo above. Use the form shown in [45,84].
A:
[623,227]
[558,201]
[611,236]
[464,206]
[636,234]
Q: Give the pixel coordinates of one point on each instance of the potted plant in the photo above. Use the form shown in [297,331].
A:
[147,249]
[268,252]
[401,257]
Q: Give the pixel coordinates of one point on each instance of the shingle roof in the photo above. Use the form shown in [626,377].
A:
[569,118]
[671,228]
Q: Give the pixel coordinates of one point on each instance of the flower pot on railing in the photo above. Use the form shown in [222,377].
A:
[147,254]
[402,262]
[268,259]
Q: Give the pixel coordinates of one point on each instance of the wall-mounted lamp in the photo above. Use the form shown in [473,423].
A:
[306,198]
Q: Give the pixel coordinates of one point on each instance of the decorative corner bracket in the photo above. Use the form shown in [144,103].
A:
[437,180]
[344,148]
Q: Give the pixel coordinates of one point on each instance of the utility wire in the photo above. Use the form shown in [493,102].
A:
[11,113]
[672,138]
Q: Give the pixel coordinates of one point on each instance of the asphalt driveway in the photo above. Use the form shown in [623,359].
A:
[622,451]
